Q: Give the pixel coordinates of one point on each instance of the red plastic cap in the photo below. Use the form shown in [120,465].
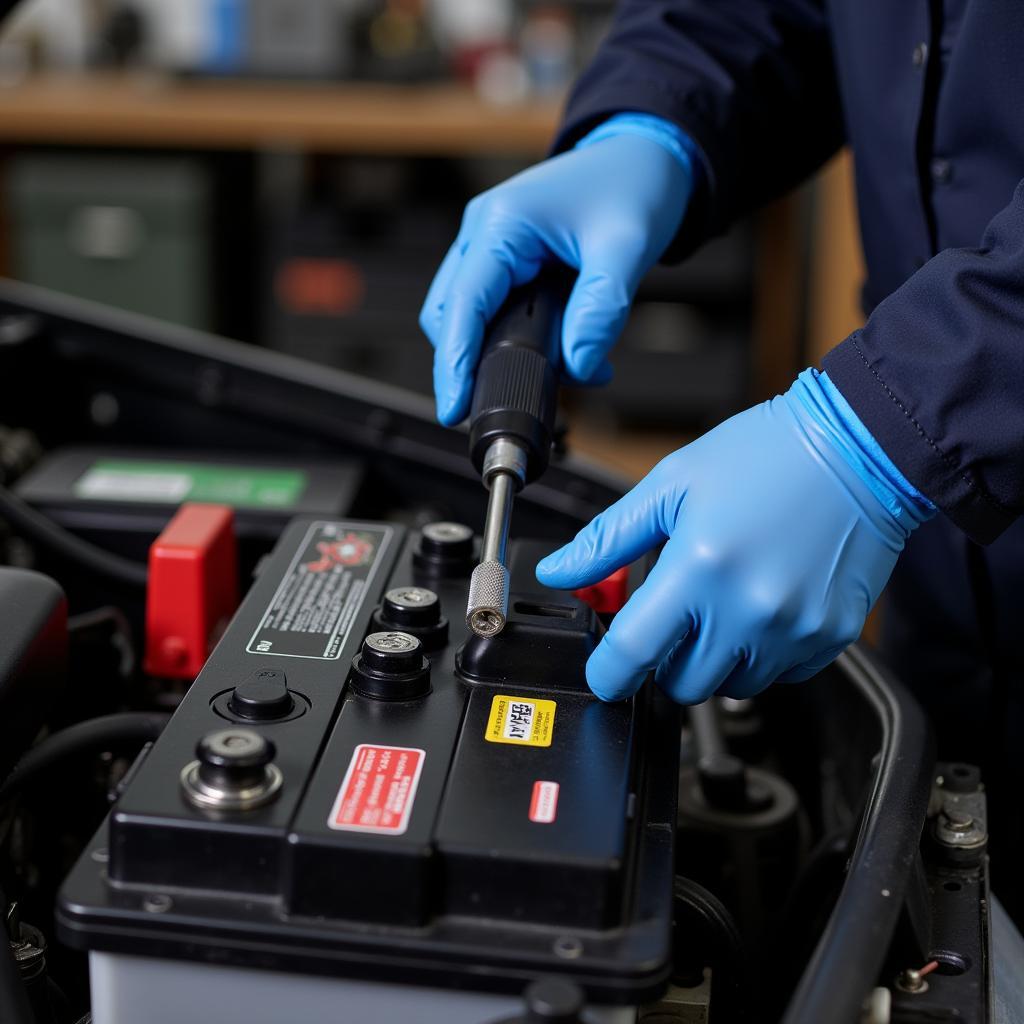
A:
[192,589]
[608,596]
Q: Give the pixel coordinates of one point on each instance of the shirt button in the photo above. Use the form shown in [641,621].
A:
[920,55]
[942,170]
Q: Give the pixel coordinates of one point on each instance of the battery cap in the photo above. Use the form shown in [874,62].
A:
[445,549]
[411,606]
[392,652]
[391,666]
[263,697]
[414,610]
[233,756]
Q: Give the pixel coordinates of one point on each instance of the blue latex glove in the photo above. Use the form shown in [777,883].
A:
[782,526]
[608,208]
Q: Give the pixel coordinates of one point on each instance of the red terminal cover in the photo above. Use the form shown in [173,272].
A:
[192,589]
[608,596]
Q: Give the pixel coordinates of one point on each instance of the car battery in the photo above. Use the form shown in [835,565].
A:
[121,498]
[361,811]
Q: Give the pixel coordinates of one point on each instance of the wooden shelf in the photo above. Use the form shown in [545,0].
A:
[148,110]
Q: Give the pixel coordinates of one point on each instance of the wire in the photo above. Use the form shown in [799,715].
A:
[129,727]
[48,534]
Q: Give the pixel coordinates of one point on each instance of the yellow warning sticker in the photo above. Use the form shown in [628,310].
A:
[523,720]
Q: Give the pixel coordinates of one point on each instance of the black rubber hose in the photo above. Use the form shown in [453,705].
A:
[15,1007]
[705,934]
[48,534]
[96,734]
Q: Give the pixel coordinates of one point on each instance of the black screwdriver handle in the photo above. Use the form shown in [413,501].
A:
[516,392]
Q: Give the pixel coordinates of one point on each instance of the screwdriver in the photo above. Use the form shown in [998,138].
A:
[511,423]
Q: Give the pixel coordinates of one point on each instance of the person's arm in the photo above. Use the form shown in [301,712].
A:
[780,528]
[937,377]
[751,82]
[736,98]
[781,525]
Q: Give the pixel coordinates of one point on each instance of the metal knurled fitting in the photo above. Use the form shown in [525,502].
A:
[488,599]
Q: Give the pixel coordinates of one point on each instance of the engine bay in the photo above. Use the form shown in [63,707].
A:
[257,767]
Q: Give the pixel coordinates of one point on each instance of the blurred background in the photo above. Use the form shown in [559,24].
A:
[290,172]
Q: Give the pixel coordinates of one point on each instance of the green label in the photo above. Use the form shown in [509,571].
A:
[173,482]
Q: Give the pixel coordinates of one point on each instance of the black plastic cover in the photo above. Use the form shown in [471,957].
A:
[81,488]
[33,657]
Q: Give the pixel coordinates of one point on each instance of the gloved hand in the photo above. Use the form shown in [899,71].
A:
[782,526]
[608,208]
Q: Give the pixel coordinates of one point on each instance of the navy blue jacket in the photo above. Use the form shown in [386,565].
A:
[930,95]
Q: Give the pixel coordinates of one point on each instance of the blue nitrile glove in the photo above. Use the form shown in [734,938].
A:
[782,526]
[607,208]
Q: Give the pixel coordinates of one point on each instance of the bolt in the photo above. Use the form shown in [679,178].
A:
[957,820]
[910,980]
[157,903]
[567,947]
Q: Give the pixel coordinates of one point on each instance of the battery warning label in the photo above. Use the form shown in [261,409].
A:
[314,607]
[523,720]
[544,802]
[379,790]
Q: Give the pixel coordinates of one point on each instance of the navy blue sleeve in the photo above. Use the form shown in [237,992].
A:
[937,376]
[752,82]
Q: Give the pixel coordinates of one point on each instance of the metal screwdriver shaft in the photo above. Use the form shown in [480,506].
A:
[511,425]
[487,609]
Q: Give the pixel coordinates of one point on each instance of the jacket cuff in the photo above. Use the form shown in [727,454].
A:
[932,471]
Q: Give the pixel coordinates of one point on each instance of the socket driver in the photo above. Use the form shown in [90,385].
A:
[511,426]
[504,473]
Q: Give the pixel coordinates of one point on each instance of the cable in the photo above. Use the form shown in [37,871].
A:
[85,737]
[129,727]
[48,534]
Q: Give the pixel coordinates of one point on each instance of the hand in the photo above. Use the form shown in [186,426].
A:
[776,550]
[608,209]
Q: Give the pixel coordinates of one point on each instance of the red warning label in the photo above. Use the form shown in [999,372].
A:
[379,790]
[544,803]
